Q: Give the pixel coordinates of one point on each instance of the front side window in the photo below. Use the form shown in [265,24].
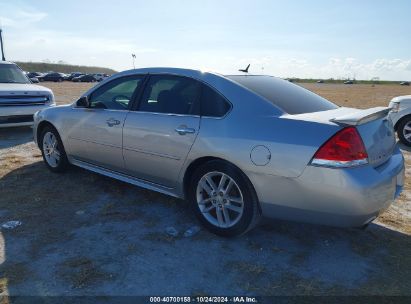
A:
[172,95]
[115,95]
[10,73]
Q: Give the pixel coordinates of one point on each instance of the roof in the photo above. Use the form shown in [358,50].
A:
[209,77]
[168,70]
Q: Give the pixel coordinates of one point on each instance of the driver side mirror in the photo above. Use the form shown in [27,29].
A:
[83,102]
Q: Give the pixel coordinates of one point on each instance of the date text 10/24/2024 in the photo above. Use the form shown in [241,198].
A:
[203,299]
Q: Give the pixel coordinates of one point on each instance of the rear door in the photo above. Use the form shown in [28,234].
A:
[158,135]
[96,132]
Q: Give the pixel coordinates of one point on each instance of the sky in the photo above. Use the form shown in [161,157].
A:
[306,39]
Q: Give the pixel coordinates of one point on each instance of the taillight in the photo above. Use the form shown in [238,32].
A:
[344,149]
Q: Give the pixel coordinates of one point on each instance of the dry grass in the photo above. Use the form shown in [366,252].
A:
[359,95]
[82,272]
[67,92]
[159,237]
[247,268]
[16,272]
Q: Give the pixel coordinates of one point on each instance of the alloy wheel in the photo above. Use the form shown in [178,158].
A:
[220,199]
[50,149]
[406,131]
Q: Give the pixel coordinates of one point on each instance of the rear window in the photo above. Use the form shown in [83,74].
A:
[289,97]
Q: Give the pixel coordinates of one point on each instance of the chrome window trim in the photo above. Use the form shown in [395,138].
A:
[98,109]
[166,114]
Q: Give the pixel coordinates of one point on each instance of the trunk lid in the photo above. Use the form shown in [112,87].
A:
[376,130]
[374,126]
[359,117]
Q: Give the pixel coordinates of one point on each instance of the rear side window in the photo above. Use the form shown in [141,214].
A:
[171,94]
[289,97]
[212,103]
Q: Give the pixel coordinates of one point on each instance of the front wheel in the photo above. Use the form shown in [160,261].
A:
[223,199]
[404,131]
[52,150]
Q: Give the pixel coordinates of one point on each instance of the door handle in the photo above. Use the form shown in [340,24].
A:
[112,122]
[183,130]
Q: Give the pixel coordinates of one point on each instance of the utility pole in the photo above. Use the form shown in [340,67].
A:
[1,45]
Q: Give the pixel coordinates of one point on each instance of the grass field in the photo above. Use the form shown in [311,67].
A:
[85,234]
[358,95]
[61,68]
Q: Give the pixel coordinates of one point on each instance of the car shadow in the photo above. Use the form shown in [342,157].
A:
[85,234]
[10,137]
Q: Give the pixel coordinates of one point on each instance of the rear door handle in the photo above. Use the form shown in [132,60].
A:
[112,122]
[183,130]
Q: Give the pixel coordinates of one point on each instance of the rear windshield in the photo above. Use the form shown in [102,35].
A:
[289,97]
[10,73]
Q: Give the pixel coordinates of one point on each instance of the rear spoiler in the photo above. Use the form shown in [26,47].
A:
[361,116]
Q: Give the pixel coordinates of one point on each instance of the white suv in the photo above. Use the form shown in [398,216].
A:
[19,98]
[100,77]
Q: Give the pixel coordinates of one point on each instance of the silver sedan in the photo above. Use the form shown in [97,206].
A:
[236,147]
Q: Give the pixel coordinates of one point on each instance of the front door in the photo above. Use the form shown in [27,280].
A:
[158,136]
[96,132]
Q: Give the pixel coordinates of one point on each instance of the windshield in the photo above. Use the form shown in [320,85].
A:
[289,97]
[10,73]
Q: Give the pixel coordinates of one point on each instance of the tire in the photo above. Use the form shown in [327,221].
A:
[402,132]
[60,80]
[48,135]
[242,216]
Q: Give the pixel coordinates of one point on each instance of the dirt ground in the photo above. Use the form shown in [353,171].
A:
[85,234]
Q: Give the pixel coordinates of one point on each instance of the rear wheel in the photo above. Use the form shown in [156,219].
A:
[404,131]
[52,150]
[223,199]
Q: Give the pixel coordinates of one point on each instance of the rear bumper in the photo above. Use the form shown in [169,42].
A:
[337,197]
